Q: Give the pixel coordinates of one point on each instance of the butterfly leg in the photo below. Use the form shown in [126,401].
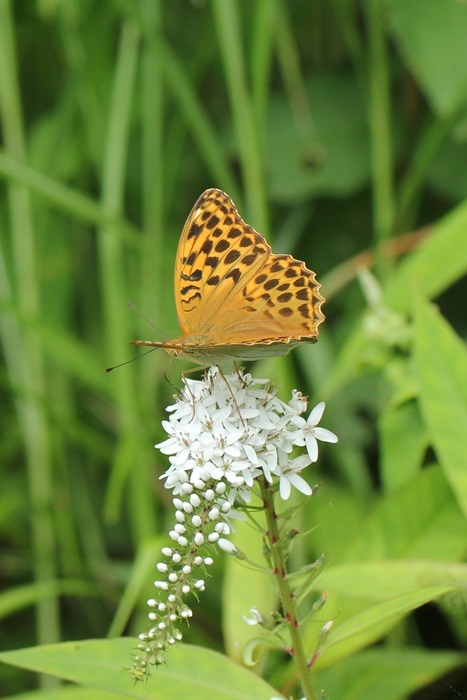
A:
[231,394]
[187,386]
[239,371]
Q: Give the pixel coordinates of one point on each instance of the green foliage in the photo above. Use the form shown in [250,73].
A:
[340,131]
[195,673]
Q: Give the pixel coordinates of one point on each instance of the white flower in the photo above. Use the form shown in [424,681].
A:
[256,617]
[289,477]
[309,434]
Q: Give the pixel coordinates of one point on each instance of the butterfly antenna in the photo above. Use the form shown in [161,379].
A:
[145,318]
[127,362]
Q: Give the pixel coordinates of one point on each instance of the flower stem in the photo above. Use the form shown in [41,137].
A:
[286,595]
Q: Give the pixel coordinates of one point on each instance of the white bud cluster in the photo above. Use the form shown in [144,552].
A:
[199,517]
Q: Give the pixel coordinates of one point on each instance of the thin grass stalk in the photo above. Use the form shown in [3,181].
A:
[380,134]
[413,182]
[179,85]
[262,43]
[208,140]
[289,63]
[153,178]
[129,464]
[63,197]
[25,360]
[89,101]
[227,23]
[347,15]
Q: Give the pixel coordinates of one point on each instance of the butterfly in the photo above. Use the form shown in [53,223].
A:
[235,299]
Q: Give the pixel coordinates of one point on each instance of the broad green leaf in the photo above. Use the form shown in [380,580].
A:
[371,624]
[432,35]
[421,519]
[68,693]
[20,597]
[438,262]
[386,674]
[441,366]
[446,173]
[378,581]
[244,588]
[403,443]
[341,516]
[348,363]
[191,672]
[331,155]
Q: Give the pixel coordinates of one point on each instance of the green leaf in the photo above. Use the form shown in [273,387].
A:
[242,589]
[191,672]
[439,261]
[403,443]
[66,694]
[21,597]
[420,519]
[378,581]
[330,158]
[432,35]
[446,173]
[373,623]
[441,366]
[386,674]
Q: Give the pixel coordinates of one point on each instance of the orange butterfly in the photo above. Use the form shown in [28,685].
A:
[235,299]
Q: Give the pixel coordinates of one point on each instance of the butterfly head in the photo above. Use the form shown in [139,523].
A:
[174,352]
[194,348]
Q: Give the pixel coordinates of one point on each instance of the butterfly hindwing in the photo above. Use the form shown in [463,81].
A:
[281,303]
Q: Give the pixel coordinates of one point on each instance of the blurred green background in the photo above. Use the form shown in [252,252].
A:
[339,128]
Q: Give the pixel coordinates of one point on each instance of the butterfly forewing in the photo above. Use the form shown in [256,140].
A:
[217,254]
[232,289]
[234,297]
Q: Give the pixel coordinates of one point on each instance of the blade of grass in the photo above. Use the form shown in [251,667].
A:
[289,62]
[191,106]
[129,460]
[153,177]
[89,101]
[23,349]
[227,23]
[413,182]
[262,40]
[380,133]
[65,198]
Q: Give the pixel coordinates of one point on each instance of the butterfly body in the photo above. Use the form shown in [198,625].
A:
[207,354]
[235,299]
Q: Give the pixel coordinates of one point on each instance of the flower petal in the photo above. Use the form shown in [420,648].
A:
[316,414]
[325,435]
[284,488]
[312,447]
[300,484]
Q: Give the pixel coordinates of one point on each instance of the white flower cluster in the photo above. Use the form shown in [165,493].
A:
[230,430]
[224,432]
